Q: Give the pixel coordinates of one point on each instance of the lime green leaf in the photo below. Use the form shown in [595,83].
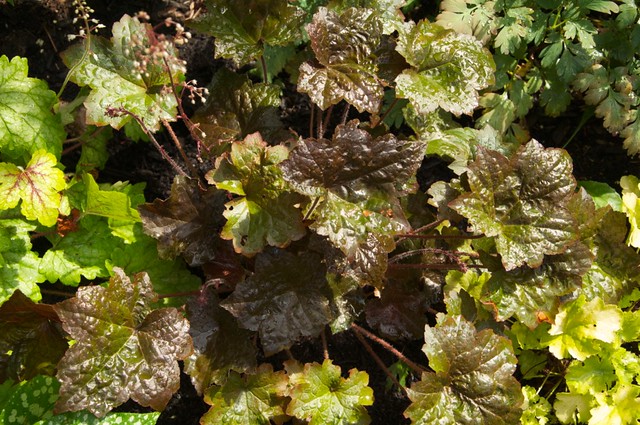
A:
[631,207]
[31,401]
[266,212]
[118,336]
[593,376]
[448,69]
[631,133]
[567,404]
[536,409]
[255,399]
[277,303]
[31,341]
[241,29]
[38,186]
[621,407]
[602,194]
[107,203]
[347,73]
[582,328]
[522,202]
[321,395]
[27,123]
[472,383]
[126,73]
[19,265]
[219,344]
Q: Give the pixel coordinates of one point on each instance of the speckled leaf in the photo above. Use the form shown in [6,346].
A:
[448,69]
[265,212]
[219,344]
[27,123]
[36,187]
[116,72]
[252,399]
[522,202]
[343,45]
[31,340]
[118,337]
[285,299]
[472,383]
[30,401]
[187,223]
[241,29]
[239,108]
[19,265]
[320,394]
[86,418]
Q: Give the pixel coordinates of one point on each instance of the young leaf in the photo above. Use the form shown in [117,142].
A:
[19,265]
[219,344]
[241,29]
[472,383]
[254,399]
[344,46]
[31,341]
[320,395]
[536,409]
[522,202]
[118,336]
[266,212]
[27,123]
[285,299]
[448,69]
[133,65]
[38,186]
[187,223]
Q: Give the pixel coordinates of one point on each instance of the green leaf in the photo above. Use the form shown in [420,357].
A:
[631,133]
[620,407]
[27,123]
[515,26]
[321,395]
[19,265]
[107,203]
[255,399]
[187,223]
[567,404]
[631,207]
[522,202]
[241,29]
[118,336]
[85,418]
[94,154]
[127,73]
[592,376]
[344,46]
[582,328]
[602,194]
[472,383]
[30,401]
[38,186]
[476,18]
[219,344]
[536,409]
[266,212]
[277,303]
[31,341]
[448,69]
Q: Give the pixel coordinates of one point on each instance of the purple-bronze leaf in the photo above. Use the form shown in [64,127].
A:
[187,223]
[287,298]
[400,312]
[124,349]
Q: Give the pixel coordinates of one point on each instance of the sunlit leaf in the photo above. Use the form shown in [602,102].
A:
[30,401]
[19,265]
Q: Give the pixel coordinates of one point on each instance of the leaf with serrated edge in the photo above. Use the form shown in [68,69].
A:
[31,341]
[26,121]
[285,299]
[344,46]
[472,383]
[118,337]
[266,212]
[115,71]
[38,186]
[522,202]
[252,399]
[187,222]
[320,395]
[219,344]
[448,69]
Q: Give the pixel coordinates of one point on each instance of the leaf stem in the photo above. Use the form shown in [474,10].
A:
[311,119]
[379,361]
[57,293]
[319,123]
[176,141]
[180,294]
[345,114]
[389,109]
[415,236]
[325,347]
[311,208]
[435,266]
[263,62]
[325,123]
[416,367]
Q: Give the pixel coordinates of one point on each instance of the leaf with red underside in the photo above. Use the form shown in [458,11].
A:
[31,340]
[219,344]
[120,336]
[287,298]
[344,46]
[187,222]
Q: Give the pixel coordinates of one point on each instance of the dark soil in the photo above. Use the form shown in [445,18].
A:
[597,156]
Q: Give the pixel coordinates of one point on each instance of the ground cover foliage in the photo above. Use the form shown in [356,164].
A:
[520,282]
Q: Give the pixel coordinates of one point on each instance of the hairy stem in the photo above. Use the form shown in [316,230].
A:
[176,141]
[379,361]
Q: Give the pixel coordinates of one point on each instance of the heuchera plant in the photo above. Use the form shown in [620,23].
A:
[522,285]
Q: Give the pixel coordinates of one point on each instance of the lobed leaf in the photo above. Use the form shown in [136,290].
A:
[472,383]
[119,336]
[631,207]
